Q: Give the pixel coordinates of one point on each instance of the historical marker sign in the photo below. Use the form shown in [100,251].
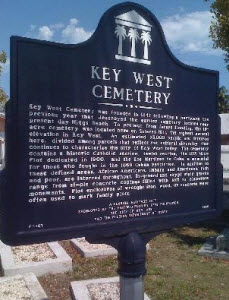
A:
[108,136]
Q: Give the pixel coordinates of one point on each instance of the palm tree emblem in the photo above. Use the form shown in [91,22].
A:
[133,27]
[146,39]
[120,32]
[134,36]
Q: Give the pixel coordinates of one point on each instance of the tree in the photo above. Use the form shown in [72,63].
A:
[223,100]
[120,32]
[2,60]
[219,30]
[146,39]
[3,99]
[134,36]
[3,96]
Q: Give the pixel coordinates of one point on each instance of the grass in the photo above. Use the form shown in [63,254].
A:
[174,269]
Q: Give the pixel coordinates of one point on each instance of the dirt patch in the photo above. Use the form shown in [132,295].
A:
[57,286]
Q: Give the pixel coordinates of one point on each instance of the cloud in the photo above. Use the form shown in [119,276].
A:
[73,21]
[72,33]
[190,32]
[45,33]
[59,32]
[56,26]
[32,27]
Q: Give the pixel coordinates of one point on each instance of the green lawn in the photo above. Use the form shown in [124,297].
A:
[175,271]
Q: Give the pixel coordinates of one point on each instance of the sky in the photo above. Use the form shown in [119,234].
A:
[185,24]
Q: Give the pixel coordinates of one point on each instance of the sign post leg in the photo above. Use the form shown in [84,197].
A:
[131,288]
[131,258]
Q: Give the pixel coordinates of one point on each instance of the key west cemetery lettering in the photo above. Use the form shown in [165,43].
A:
[109,136]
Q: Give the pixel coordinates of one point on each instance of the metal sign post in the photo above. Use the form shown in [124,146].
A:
[131,288]
[131,258]
[131,262]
